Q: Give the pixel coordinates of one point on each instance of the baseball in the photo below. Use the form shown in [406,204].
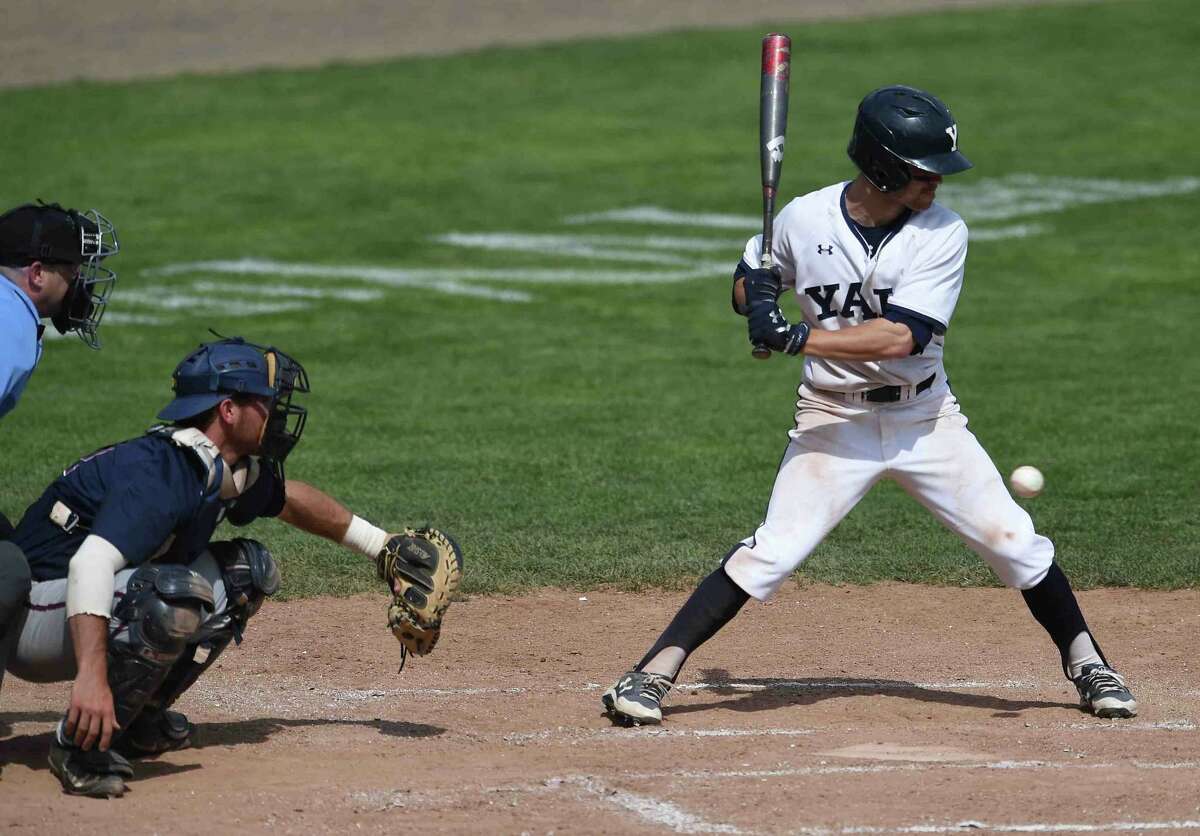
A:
[1027,481]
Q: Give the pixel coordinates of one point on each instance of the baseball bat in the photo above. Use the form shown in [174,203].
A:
[772,128]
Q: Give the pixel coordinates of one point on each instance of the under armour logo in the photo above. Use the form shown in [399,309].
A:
[825,249]
[775,146]
[953,132]
[775,317]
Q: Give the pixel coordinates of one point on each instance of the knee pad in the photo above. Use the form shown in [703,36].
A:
[162,608]
[251,576]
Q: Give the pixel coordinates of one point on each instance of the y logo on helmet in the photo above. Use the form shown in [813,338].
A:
[953,132]
[775,146]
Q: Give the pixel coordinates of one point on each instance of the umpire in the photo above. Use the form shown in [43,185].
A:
[50,261]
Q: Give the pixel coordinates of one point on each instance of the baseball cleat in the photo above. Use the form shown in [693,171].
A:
[155,732]
[92,773]
[1103,692]
[636,698]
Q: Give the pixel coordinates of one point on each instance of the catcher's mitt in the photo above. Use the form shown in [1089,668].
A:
[422,568]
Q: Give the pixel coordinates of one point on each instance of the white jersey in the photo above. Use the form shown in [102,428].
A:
[838,283]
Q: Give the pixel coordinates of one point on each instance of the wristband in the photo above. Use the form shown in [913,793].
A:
[797,338]
[364,538]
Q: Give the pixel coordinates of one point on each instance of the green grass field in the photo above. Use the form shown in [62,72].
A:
[584,432]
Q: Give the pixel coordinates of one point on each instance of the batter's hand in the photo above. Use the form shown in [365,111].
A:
[91,717]
[763,285]
[768,326]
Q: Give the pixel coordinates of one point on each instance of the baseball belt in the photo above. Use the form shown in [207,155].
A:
[882,394]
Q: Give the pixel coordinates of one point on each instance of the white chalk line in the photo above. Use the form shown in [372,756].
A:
[667,217]
[648,809]
[1021,195]
[642,249]
[996,827]
[916,766]
[109,318]
[1125,725]
[577,735]
[856,684]
[990,198]
[447,279]
[666,814]
[355,695]
[443,281]
[171,299]
[288,291]
[1001,233]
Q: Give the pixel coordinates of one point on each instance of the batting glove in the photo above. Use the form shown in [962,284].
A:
[762,285]
[769,326]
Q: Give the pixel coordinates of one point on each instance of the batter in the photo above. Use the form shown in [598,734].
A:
[876,266]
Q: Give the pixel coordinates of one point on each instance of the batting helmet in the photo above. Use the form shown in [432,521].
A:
[48,233]
[900,126]
[219,370]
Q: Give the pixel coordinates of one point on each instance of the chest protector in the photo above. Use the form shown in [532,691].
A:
[221,482]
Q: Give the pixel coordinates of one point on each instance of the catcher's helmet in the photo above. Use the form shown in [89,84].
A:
[219,370]
[51,234]
[901,125]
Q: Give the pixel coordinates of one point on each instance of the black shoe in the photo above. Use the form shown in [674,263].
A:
[92,773]
[153,732]
[636,698]
[1102,691]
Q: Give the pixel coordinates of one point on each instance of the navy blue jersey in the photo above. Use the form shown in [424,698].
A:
[146,496]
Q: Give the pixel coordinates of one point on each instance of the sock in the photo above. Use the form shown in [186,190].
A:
[1054,606]
[713,605]
[1083,651]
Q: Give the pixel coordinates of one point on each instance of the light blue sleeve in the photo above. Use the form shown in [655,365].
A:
[18,353]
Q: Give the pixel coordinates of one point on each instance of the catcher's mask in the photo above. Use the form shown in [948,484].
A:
[900,126]
[51,234]
[218,370]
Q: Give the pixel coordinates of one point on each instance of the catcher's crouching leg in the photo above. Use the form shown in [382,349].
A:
[162,609]
[423,568]
[250,575]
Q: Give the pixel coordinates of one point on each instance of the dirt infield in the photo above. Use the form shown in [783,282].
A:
[868,710]
[127,39]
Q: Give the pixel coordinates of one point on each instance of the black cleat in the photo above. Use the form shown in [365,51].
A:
[636,698]
[92,773]
[1103,692]
[154,732]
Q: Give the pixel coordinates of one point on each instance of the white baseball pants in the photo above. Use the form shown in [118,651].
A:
[43,650]
[839,450]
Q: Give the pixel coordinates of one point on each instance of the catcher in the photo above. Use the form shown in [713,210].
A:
[133,602]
